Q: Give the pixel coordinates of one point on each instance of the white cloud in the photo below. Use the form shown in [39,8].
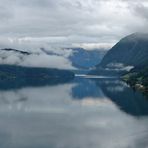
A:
[38,59]
[44,60]
[91,46]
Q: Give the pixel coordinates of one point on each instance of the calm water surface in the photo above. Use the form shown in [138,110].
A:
[86,113]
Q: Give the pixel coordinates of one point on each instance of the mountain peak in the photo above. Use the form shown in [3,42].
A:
[15,50]
[136,36]
[132,50]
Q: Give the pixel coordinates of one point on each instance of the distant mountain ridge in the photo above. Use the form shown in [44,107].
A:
[12,76]
[85,59]
[15,50]
[26,75]
[81,58]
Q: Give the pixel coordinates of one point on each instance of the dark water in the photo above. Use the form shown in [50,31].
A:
[86,113]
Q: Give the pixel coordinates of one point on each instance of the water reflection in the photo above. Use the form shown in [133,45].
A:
[130,101]
[86,88]
[82,114]
[18,83]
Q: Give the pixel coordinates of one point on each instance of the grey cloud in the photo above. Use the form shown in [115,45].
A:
[36,3]
[142,11]
[5,14]
[36,59]
[78,21]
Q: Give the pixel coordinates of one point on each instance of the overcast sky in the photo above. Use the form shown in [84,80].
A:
[66,23]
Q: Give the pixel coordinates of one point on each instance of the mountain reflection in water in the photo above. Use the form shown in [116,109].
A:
[127,99]
[82,113]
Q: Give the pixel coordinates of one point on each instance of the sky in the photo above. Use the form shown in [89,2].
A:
[70,23]
[58,24]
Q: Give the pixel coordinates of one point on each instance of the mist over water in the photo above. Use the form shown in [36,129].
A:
[83,113]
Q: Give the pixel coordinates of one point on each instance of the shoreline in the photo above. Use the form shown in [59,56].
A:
[137,86]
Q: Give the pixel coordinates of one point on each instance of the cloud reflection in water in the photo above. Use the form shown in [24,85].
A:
[55,117]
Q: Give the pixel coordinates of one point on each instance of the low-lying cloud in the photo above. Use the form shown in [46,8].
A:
[36,59]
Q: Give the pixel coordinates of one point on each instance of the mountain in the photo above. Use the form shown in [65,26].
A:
[17,51]
[14,73]
[12,76]
[80,58]
[86,59]
[129,52]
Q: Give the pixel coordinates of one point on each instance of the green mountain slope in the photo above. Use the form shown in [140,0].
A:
[131,50]
[12,76]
